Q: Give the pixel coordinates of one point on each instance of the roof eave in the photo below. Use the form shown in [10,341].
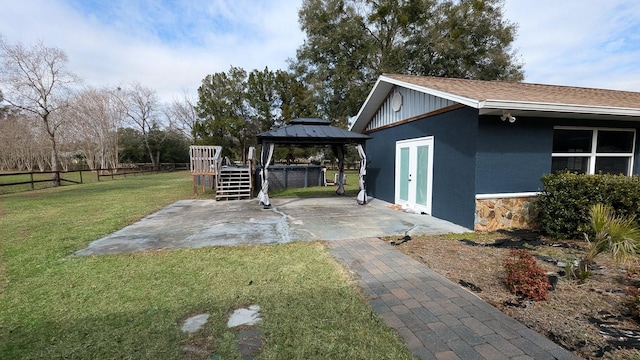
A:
[486,106]
[383,87]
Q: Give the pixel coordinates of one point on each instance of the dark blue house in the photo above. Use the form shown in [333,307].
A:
[473,152]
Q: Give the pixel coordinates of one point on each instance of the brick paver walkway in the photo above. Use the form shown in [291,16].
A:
[437,318]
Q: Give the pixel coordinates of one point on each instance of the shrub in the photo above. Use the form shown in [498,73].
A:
[632,302]
[524,276]
[566,200]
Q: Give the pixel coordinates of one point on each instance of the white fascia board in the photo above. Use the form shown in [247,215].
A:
[445,95]
[378,94]
[364,110]
[562,108]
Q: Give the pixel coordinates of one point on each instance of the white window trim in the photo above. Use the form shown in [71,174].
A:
[594,142]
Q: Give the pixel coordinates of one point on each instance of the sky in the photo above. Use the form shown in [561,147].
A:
[171,45]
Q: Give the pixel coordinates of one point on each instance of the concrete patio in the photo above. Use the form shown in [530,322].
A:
[199,223]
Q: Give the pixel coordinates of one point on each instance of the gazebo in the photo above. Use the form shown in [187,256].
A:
[312,132]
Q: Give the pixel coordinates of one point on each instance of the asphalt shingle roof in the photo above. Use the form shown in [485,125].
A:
[525,92]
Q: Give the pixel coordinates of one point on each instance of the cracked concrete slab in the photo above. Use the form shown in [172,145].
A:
[199,223]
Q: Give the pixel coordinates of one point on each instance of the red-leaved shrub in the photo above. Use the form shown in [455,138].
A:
[524,276]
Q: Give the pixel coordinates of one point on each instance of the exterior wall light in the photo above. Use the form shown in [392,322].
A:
[506,115]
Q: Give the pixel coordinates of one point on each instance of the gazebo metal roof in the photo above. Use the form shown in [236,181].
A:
[311,131]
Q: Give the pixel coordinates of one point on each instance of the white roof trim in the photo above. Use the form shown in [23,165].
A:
[384,85]
[364,105]
[552,107]
[445,95]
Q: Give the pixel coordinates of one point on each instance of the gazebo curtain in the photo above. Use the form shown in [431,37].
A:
[265,159]
[362,194]
[338,150]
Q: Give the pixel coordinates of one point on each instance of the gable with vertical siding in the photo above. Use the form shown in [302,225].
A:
[414,103]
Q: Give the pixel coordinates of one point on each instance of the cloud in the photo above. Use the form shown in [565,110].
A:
[171,46]
[167,45]
[571,42]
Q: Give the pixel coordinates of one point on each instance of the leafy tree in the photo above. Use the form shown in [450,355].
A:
[234,107]
[294,99]
[174,147]
[261,98]
[351,42]
[130,146]
[38,82]
[224,112]
[170,146]
[466,39]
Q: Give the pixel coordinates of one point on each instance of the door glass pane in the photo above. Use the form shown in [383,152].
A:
[612,165]
[570,141]
[422,173]
[615,141]
[571,163]
[404,174]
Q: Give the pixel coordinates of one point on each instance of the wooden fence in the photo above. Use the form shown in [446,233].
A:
[43,177]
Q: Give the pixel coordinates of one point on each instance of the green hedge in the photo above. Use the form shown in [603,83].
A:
[565,200]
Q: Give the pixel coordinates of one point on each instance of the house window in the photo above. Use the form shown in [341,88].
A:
[593,150]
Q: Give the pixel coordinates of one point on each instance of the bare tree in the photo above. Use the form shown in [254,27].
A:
[140,106]
[96,121]
[23,143]
[182,116]
[38,82]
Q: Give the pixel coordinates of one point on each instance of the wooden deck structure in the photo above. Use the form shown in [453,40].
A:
[205,162]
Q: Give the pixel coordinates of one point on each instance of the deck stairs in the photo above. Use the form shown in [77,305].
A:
[234,183]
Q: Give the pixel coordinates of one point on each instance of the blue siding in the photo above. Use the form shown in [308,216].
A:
[475,155]
[455,133]
[512,157]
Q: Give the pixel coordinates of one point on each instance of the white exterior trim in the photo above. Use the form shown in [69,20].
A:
[593,155]
[411,202]
[384,85]
[507,195]
[561,108]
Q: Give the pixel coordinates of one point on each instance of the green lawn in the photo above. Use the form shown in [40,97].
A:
[56,305]
[67,179]
[351,188]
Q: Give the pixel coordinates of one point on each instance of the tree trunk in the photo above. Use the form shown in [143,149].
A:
[154,163]
[55,163]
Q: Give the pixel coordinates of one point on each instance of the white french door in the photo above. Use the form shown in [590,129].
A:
[414,173]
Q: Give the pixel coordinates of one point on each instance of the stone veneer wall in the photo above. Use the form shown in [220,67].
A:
[503,213]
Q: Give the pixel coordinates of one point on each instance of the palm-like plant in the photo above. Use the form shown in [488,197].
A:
[618,235]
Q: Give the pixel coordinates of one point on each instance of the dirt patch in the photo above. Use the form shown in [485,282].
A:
[587,319]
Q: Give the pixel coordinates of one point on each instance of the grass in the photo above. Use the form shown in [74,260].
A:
[56,305]
[84,177]
[351,188]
